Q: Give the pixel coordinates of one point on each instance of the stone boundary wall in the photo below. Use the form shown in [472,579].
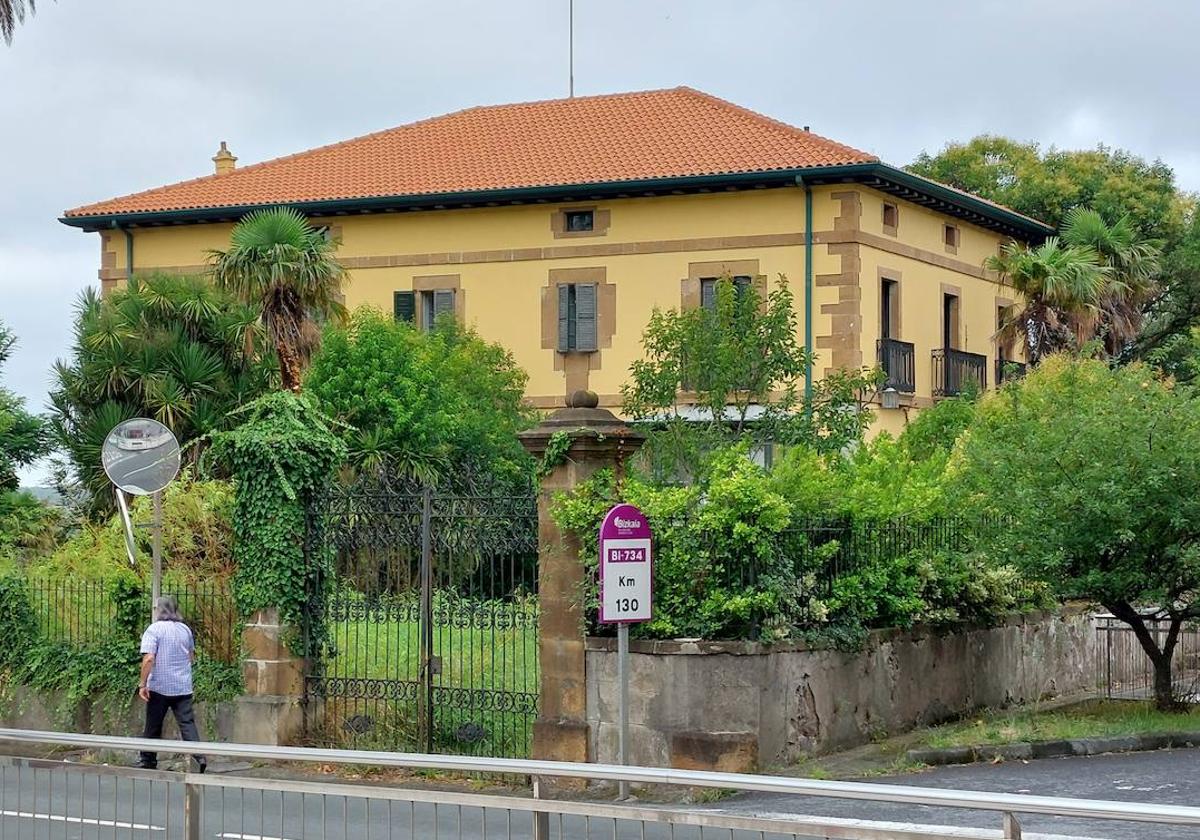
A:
[245,720]
[742,705]
[25,708]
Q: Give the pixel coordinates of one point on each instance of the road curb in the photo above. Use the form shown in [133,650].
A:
[1023,750]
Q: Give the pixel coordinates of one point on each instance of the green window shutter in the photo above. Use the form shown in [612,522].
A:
[564,318]
[404,306]
[708,293]
[585,316]
[443,301]
[741,283]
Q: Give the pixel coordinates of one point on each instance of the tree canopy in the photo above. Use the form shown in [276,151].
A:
[423,402]
[1096,471]
[1048,184]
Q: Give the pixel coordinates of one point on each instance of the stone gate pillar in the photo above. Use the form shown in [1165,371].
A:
[271,711]
[598,439]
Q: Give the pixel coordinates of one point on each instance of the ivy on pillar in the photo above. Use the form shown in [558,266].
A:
[573,443]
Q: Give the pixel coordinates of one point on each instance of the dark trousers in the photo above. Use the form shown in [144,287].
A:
[156,713]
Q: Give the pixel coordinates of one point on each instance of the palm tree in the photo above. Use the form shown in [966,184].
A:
[12,12]
[1061,288]
[1133,269]
[280,265]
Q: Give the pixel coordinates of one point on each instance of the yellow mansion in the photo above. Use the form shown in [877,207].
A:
[554,228]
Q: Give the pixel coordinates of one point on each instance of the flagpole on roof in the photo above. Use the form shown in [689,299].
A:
[571,38]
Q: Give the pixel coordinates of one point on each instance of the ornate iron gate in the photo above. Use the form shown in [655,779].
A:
[425,631]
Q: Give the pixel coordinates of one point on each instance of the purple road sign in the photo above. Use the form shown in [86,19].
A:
[626,567]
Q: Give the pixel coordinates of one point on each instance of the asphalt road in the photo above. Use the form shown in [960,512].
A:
[45,805]
[1169,777]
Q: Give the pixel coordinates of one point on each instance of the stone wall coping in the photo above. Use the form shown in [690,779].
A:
[703,647]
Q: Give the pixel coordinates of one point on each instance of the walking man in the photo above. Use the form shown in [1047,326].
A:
[168,651]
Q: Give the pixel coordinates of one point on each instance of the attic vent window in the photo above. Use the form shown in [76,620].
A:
[580,220]
[950,236]
[891,216]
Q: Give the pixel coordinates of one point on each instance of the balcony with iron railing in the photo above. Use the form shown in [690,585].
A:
[953,370]
[898,360]
[1007,370]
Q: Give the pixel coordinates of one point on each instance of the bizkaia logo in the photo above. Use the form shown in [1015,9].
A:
[628,523]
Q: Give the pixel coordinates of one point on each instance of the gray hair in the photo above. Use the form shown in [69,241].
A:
[166,609]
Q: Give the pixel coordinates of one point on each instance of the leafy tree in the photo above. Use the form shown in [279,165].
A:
[424,402]
[22,435]
[1177,356]
[1061,286]
[1048,184]
[1174,315]
[712,375]
[171,348]
[1097,472]
[287,270]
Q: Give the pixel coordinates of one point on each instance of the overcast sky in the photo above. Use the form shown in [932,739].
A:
[105,98]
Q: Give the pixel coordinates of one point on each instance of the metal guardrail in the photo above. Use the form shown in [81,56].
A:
[200,803]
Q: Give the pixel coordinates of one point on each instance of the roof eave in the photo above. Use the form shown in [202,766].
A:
[873,174]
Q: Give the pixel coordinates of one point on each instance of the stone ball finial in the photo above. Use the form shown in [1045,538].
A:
[582,399]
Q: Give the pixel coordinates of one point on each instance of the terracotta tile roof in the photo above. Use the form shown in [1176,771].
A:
[588,140]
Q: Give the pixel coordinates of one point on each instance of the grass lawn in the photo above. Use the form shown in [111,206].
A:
[471,657]
[1096,718]
[1084,720]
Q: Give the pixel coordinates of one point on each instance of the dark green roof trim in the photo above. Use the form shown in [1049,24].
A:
[876,175]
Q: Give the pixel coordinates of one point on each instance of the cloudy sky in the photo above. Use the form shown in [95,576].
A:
[105,98]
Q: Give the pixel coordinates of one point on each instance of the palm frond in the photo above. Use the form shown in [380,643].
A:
[13,12]
[197,369]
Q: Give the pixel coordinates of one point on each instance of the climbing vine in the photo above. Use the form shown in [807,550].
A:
[557,447]
[281,457]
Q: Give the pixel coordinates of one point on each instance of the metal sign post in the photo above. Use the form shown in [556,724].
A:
[141,457]
[626,597]
[156,548]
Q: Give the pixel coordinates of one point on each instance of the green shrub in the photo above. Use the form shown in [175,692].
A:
[197,538]
[940,587]
[720,568]
[733,557]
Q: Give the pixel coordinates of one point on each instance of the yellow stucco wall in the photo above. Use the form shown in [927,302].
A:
[503,257]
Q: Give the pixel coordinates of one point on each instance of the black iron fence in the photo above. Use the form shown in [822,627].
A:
[429,623]
[898,360]
[1007,370]
[953,370]
[829,549]
[85,612]
[1125,670]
